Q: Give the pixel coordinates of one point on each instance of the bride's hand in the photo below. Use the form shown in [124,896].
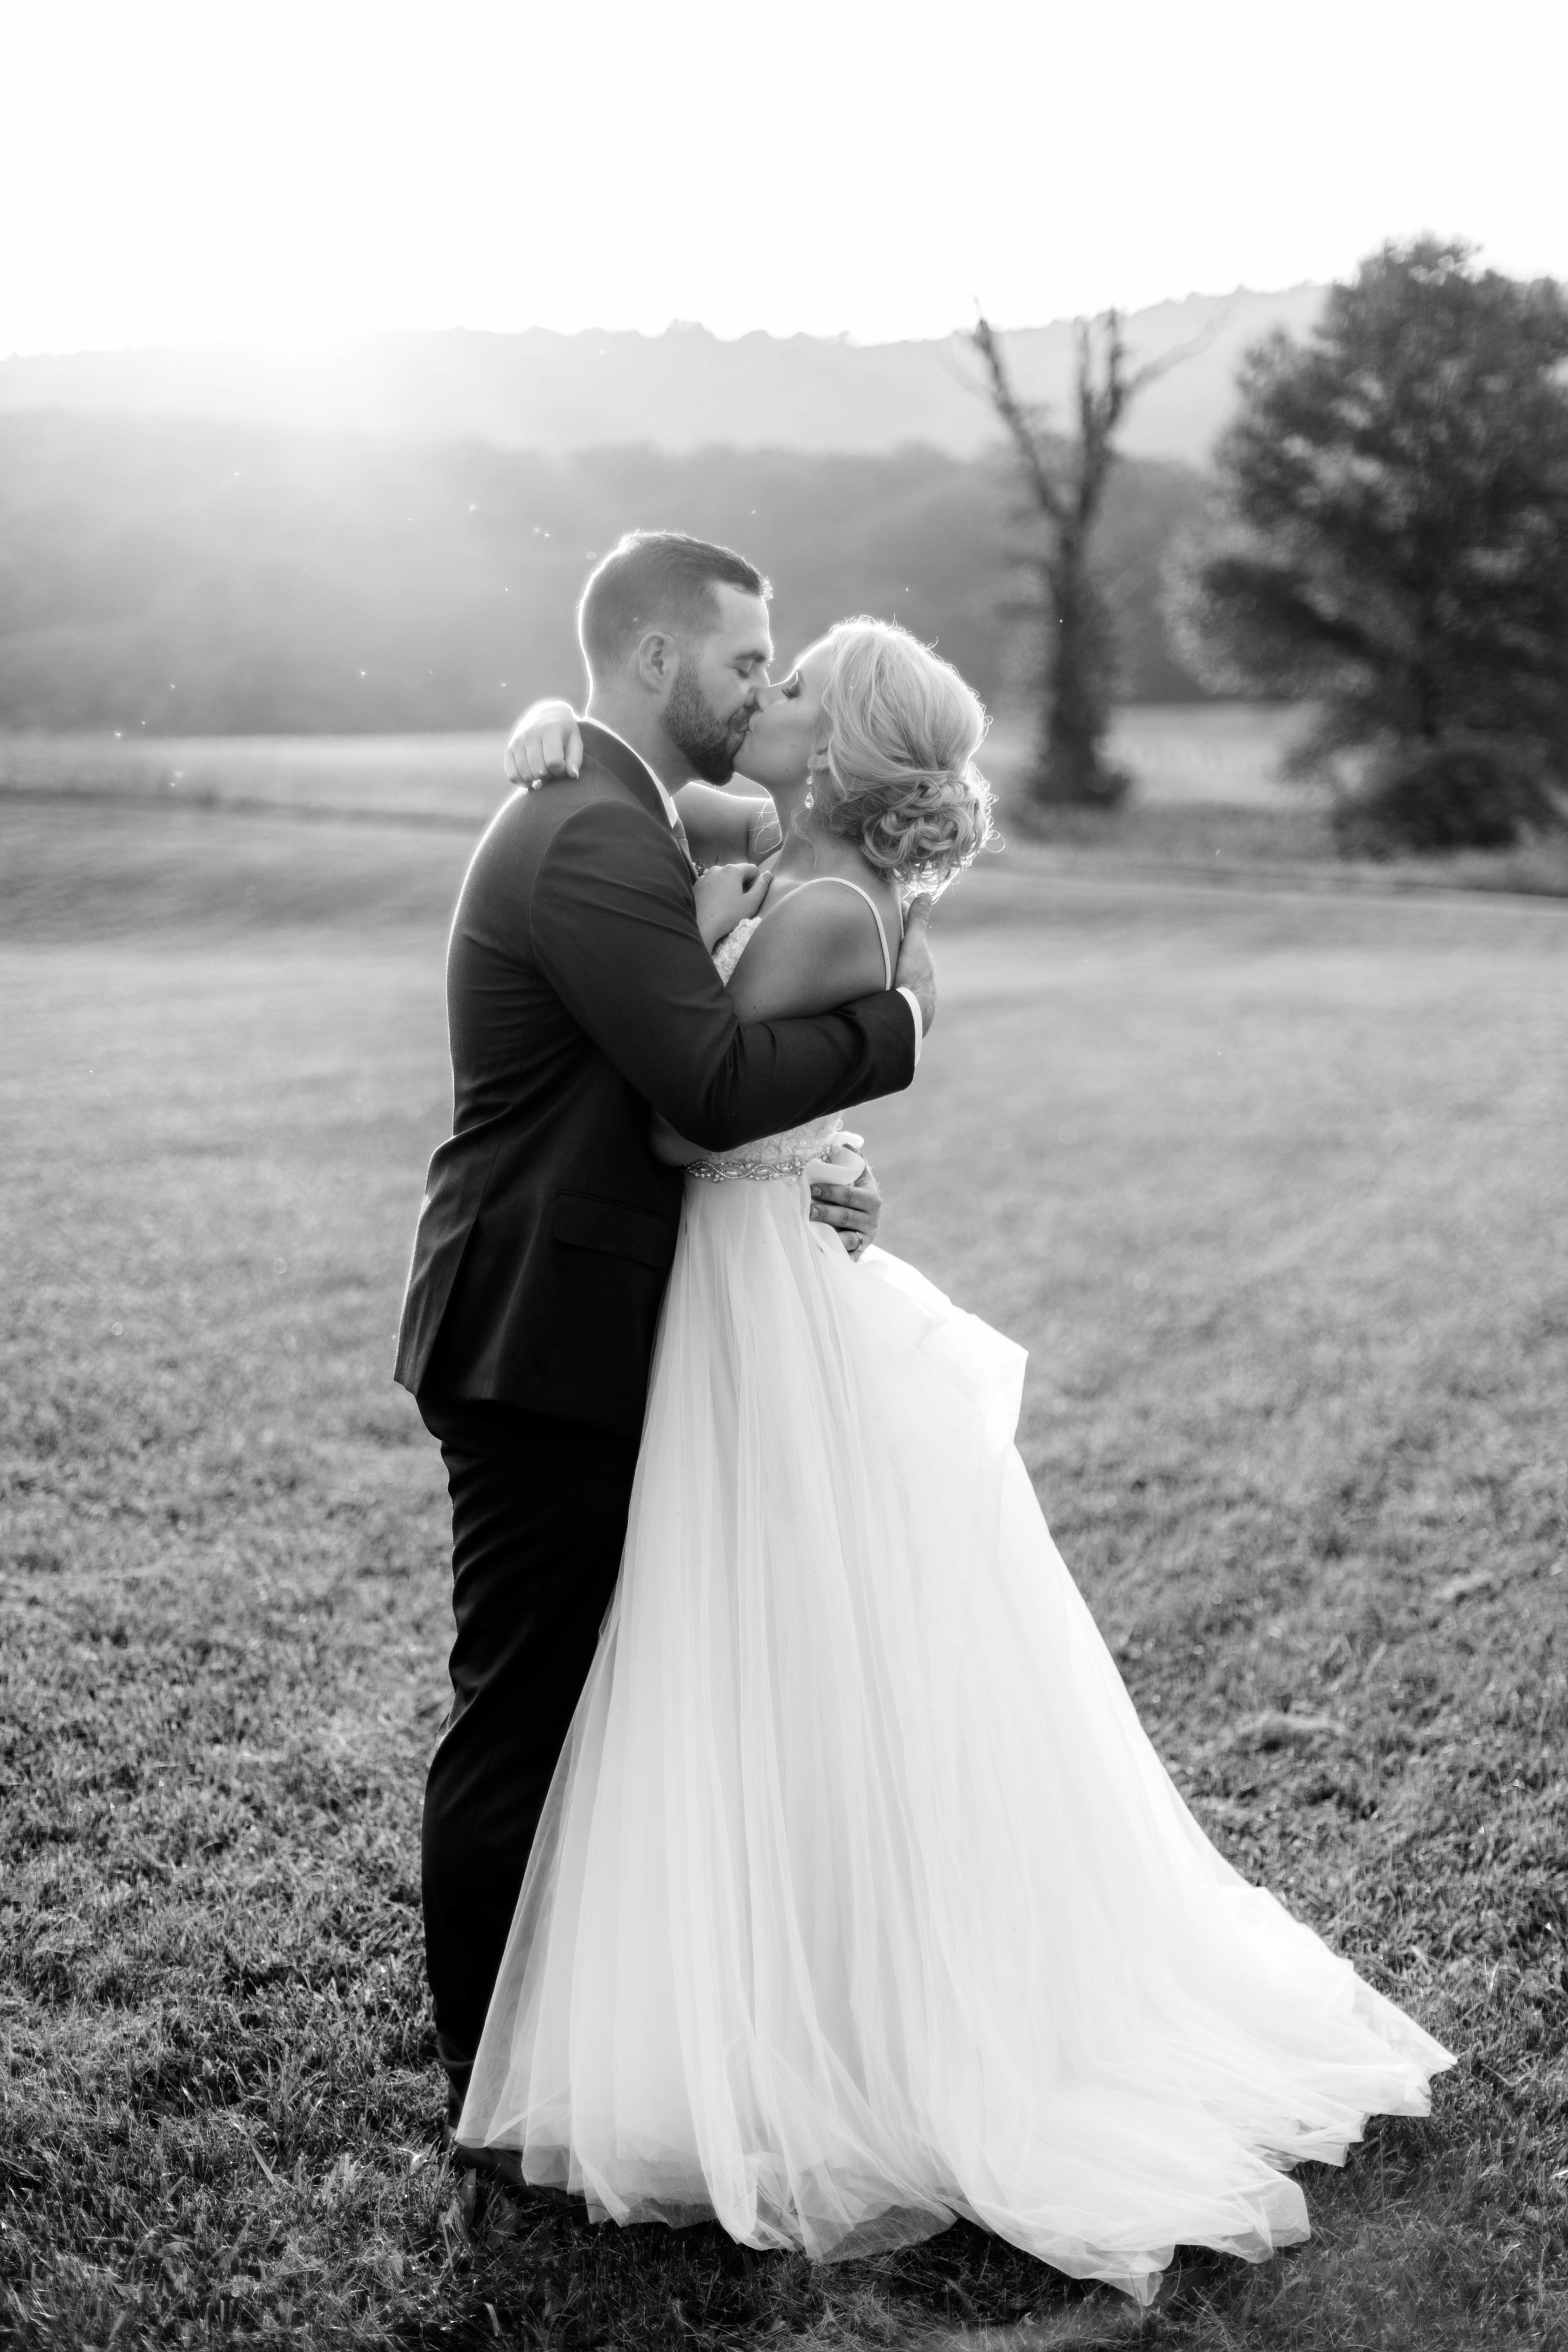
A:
[726,895]
[545,742]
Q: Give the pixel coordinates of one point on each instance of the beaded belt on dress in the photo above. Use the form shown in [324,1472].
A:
[755,1171]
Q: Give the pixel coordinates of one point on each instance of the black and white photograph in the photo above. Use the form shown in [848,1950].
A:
[784,1068]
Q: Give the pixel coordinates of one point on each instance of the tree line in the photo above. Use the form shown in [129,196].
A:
[192,577]
[1387,541]
[1384,536]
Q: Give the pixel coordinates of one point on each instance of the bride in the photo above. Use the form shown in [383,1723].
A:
[861,1900]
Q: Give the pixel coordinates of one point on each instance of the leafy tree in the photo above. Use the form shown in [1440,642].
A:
[1394,541]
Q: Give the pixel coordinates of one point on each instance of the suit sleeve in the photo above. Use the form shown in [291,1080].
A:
[614,934]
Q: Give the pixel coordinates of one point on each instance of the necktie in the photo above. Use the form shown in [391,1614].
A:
[679,831]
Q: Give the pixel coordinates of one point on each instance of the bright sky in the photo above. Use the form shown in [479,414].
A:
[174,172]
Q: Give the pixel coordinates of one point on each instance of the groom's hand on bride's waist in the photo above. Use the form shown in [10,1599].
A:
[855,1209]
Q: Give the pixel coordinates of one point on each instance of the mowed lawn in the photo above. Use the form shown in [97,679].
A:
[1224,753]
[1271,1185]
[1207,795]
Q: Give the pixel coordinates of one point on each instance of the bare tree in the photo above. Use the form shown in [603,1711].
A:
[1066,479]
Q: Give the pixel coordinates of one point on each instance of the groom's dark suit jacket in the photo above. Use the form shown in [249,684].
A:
[578,993]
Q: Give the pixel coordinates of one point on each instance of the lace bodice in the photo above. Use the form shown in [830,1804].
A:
[771,1157]
[732,947]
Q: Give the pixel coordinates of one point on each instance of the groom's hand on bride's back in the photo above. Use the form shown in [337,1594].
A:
[916,970]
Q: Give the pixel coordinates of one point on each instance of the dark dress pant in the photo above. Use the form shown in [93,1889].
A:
[538,1517]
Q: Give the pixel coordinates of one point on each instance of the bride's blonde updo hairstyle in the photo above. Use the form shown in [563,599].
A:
[896,771]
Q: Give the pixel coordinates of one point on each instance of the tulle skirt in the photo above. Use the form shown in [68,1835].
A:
[862,1901]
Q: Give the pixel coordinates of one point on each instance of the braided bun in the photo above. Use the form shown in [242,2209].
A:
[896,772]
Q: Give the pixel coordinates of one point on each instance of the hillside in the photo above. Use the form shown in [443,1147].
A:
[191,576]
[678,392]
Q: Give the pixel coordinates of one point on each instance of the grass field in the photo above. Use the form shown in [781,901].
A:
[1223,754]
[1271,1184]
[1207,799]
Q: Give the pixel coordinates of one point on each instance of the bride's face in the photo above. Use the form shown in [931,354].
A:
[788,726]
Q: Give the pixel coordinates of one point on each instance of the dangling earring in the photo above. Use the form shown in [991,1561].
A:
[809,802]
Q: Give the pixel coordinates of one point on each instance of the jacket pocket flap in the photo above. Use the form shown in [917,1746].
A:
[585,1221]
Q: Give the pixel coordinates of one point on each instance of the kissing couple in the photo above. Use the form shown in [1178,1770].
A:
[792,1853]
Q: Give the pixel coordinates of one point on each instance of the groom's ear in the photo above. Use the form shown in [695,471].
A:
[657,659]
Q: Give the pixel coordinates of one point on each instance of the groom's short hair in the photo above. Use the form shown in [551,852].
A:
[657,580]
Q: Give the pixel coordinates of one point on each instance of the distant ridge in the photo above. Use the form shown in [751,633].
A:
[679,391]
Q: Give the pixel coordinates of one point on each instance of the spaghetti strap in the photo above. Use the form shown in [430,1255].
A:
[862,892]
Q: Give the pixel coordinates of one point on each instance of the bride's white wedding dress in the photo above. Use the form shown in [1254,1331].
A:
[861,1900]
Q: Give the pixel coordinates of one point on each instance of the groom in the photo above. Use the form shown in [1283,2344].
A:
[580,999]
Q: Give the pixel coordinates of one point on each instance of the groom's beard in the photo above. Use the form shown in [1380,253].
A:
[711,744]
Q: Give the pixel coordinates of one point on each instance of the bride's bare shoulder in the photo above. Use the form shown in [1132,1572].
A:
[814,948]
